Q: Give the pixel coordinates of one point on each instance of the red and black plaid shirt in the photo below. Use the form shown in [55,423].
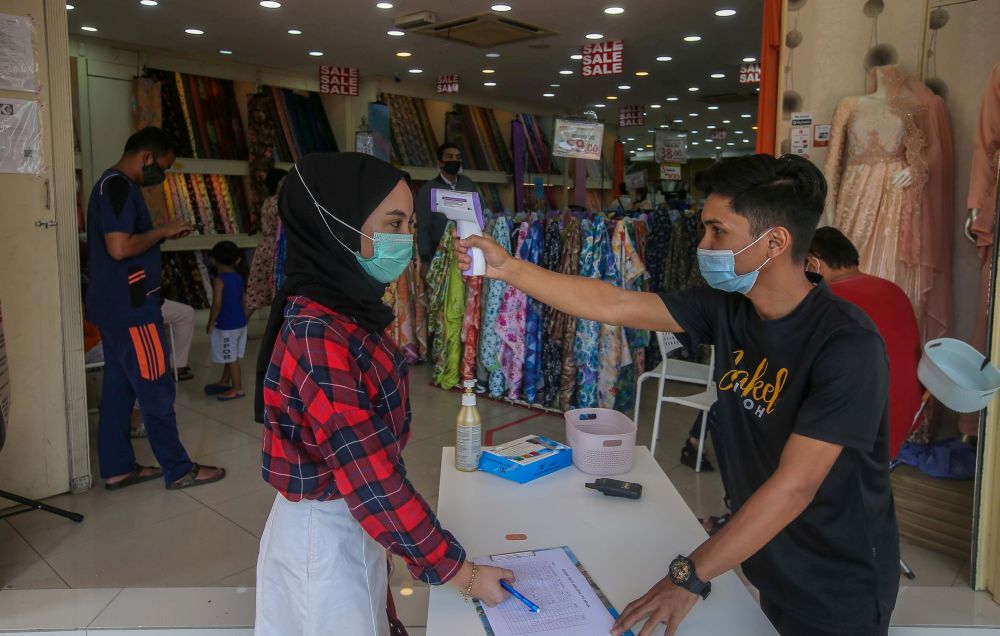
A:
[337,416]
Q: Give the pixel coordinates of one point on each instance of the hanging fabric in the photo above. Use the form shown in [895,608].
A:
[490,344]
[533,375]
[588,332]
[511,325]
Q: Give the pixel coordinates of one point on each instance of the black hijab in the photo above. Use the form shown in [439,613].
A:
[349,186]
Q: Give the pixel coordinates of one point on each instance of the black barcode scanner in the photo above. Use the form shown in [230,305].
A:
[616,488]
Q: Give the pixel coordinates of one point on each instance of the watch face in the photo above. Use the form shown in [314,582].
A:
[680,571]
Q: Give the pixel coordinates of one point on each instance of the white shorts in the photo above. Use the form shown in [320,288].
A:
[319,573]
[228,345]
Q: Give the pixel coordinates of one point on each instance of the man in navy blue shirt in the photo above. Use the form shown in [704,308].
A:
[123,300]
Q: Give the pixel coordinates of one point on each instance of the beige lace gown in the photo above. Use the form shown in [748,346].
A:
[871,142]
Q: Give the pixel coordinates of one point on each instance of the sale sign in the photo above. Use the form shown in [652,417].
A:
[339,80]
[578,139]
[750,74]
[603,58]
[631,116]
[670,149]
[447,84]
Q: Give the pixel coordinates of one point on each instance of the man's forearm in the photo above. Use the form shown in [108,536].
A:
[765,514]
[136,244]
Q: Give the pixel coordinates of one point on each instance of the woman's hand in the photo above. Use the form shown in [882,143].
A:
[497,257]
[486,587]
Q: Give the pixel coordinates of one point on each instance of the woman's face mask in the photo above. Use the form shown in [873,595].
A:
[392,252]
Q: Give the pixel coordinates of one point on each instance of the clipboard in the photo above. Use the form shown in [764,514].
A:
[572,610]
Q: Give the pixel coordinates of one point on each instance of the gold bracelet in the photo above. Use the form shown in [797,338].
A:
[468,590]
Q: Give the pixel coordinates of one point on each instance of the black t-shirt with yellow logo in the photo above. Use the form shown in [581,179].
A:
[821,372]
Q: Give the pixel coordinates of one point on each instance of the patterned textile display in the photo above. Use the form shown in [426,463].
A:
[447,311]
[215,204]
[470,326]
[551,349]
[201,114]
[533,375]
[489,340]
[185,278]
[539,151]
[404,295]
[476,132]
[511,325]
[586,348]
[147,107]
[413,140]
[304,127]
[260,283]
[261,137]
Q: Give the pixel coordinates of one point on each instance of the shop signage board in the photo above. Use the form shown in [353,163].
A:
[802,119]
[578,139]
[447,84]
[339,80]
[670,148]
[635,180]
[670,171]
[20,137]
[17,57]
[631,116]
[821,135]
[750,73]
[603,58]
[801,140]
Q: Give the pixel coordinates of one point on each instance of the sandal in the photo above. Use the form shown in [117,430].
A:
[191,480]
[230,395]
[184,373]
[216,389]
[717,523]
[135,477]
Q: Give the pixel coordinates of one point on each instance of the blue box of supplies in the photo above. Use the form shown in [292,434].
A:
[526,459]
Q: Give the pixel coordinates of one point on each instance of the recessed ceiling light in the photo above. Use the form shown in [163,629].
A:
[678,121]
[416,71]
[294,31]
[595,36]
[404,54]
[663,126]
[738,132]
[725,13]
[565,71]
[672,99]
[694,132]
[655,106]
[396,33]
[270,4]
[713,108]
[492,55]
[718,75]
[692,38]
[225,52]
[611,97]
[749,59]
[548,94]
[718,147]
[384,5]
[753,128]
[664,58]
[599,105]
[694,143]
[489,83]
[193,31]
[576,56]
[630,139]
[692,114]
[726,121]
[730,143]
[624,87]
[649,145]
[89,28]
[70,7]
[746,141]
[710,126]
[708,141]
[641,73]
[554,85]
[488,71]
[614,10]
[746,115]
[693,89]
[501,7]
[316,53]
[148,3]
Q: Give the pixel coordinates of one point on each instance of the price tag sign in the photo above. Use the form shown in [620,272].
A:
[635,180]
[670,149]
[670,172]
[339,80]
[578,139]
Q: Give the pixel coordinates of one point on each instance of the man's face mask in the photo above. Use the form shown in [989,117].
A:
[153,174]
[452,167]
[718,267]
[393,252]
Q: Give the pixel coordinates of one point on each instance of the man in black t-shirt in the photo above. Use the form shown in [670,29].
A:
[802,381]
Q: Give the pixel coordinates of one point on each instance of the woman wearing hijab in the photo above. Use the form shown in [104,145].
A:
[333,393]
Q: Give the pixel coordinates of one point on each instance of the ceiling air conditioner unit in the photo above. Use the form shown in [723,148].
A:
[415,20]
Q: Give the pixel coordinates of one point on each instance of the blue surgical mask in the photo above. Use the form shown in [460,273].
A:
[718,267]
[392,253]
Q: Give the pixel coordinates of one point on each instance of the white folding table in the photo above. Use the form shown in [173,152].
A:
[626,545]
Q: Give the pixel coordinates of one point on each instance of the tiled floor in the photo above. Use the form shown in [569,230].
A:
[146,536]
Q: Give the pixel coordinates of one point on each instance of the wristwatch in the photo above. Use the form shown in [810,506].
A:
[683,575]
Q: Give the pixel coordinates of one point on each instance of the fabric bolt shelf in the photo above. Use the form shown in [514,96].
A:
[215,204]
[185,278]
[477,134]
[413,140]
[201,114]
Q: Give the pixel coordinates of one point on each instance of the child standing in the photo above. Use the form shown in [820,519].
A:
[227,324]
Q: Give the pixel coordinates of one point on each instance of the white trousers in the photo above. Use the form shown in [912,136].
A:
[319,573]
[181,318]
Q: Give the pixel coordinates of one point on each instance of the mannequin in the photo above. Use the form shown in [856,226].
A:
[889,171]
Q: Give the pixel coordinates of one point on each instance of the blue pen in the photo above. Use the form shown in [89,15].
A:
[510,588]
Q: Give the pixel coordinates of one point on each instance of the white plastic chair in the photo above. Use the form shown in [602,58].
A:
[679,371]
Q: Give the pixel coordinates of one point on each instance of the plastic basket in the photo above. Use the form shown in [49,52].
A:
[949,369]
[602,440]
